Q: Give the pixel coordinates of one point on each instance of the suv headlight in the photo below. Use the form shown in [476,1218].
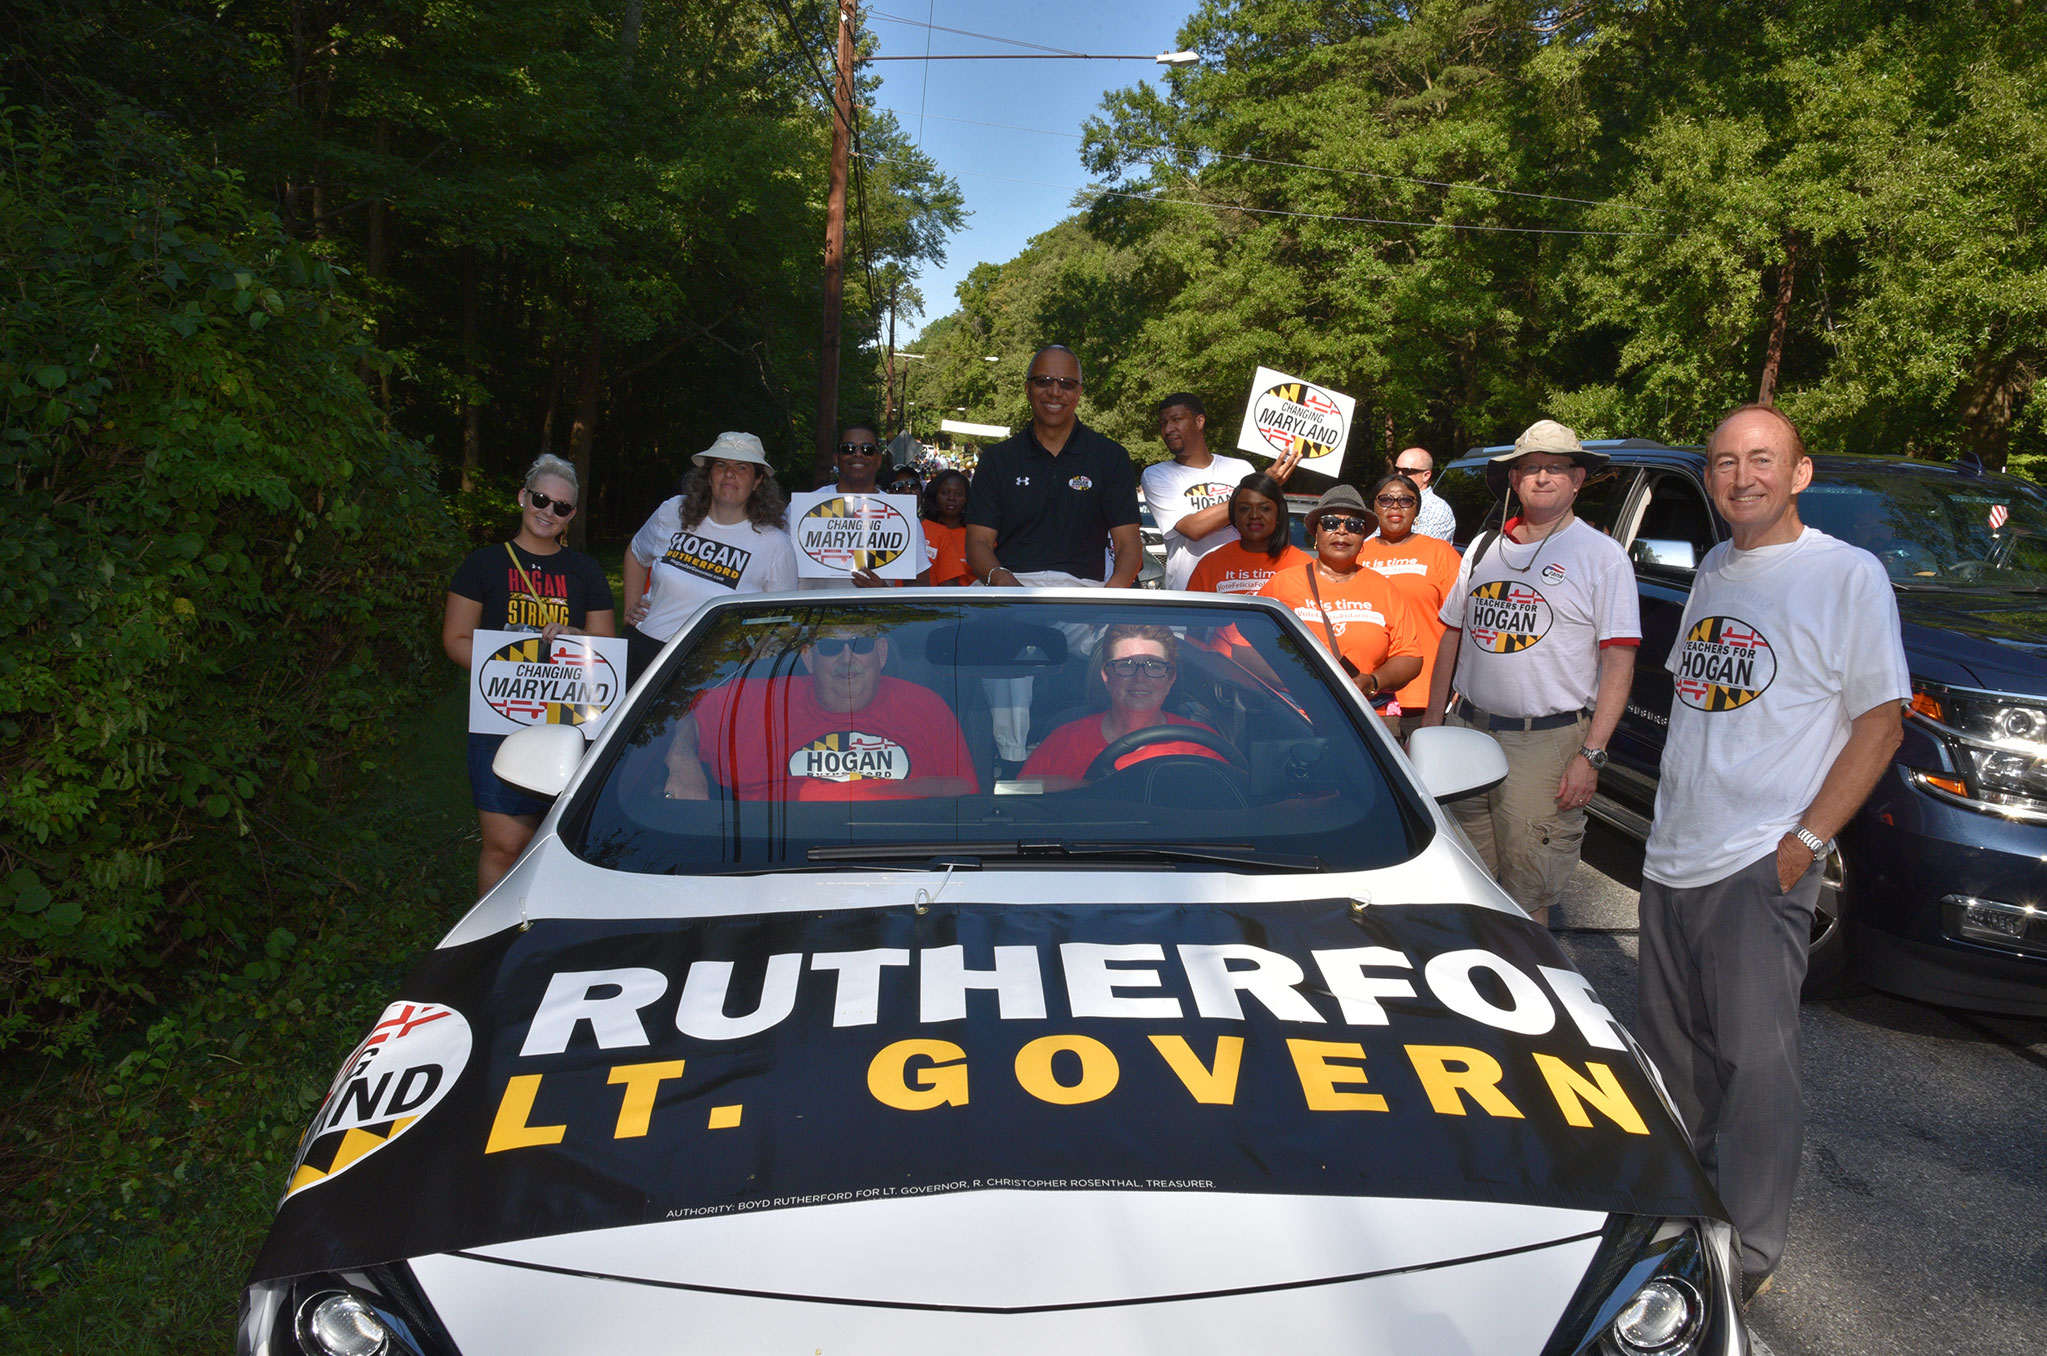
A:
[1999,746]
[1658,1287]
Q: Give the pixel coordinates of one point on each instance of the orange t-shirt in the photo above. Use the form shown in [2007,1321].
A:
[1422,570]
[1231,569]
[946,549]
[1370,618]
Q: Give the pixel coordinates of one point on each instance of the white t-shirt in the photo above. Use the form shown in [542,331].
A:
[692,566]
[1534,617]
[1780,649]
[1174,491]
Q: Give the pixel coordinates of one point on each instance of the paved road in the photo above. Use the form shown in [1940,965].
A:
[1920,1224]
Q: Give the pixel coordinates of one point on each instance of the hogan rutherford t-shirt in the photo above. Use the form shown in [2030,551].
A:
[692,565]
[1173,491]
[768,739]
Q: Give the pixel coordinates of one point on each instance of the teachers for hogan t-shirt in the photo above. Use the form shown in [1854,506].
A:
[1173,491]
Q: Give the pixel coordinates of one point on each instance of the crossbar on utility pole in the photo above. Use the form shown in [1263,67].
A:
[835,248]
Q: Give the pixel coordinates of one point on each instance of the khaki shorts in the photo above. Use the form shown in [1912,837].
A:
[1529,845]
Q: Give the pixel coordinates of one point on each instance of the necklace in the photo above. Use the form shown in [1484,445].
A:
[1540,543]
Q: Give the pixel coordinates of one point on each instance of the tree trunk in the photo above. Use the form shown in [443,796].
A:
[1780,320]
[589,384]
[472,409]
[1990,403]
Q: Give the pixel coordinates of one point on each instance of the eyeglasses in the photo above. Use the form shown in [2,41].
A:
[554,506]
[1396,501]
[830,646]
[1412,471]
[859,449]
[1044,383]
[1130,668]
[1524,469]
[1342,523]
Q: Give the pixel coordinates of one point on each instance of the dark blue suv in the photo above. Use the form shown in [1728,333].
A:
[1939,888]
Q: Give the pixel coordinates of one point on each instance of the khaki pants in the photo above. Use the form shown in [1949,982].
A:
[1529,845]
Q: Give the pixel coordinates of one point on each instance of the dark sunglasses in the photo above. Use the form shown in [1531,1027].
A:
[554,506]
[1063,383]
[1396,501]
[1130,668]
[829,646]
[1342,523]
[859,449]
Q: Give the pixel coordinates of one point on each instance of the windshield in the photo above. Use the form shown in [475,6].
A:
[1190,736]
[1937,530]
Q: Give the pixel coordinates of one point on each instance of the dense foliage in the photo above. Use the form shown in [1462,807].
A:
[1471,213]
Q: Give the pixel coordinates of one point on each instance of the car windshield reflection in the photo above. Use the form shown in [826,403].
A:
[1177,736]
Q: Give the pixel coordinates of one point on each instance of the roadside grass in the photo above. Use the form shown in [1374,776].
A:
[137,1189]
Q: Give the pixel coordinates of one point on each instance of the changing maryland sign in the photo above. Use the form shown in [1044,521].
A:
[517,679]
[1287,414]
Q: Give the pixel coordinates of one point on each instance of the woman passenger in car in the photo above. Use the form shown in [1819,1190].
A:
[1137,666]
[1421,568]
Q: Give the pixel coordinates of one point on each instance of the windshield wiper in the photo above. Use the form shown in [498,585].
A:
[971,855]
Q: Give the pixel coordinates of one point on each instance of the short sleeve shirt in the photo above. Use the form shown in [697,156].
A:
[561,589]
[1423,570]
[693,565]
[1069,750]
[1232,569]
[768,739]
[1780,649]
[1365,611]
[1534,616]
[1054,513]
[1173,491]
[945,549]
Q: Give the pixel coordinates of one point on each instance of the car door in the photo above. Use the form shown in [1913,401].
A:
[1674,527]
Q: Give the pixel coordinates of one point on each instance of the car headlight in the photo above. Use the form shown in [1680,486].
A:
[1999,746]
[375,1312]
[1656,1288]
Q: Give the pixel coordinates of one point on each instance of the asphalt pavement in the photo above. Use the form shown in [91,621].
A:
[1920,1222]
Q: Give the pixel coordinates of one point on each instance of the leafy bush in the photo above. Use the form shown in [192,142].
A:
[214,583]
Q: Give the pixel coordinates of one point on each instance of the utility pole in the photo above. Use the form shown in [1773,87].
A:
[835,248]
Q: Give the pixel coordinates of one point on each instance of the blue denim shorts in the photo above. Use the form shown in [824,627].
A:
[486,791]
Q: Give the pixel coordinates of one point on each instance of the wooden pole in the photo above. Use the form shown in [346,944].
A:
[835,249]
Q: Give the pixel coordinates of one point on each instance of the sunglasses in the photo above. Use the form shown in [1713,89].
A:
[859,449]
[554,506]
[830,646]
[1342,523]
[1396,501]
[1130,668]
[1063,383]
[1412,471]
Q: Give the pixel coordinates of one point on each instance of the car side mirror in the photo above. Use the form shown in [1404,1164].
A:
[1667,553]
[540,758]
[1453,762]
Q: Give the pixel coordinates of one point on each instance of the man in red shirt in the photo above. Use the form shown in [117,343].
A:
[842,731]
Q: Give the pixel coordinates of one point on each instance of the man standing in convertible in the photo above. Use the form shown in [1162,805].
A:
[843,730]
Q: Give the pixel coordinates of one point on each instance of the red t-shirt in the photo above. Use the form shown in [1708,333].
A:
[1367,613]
[946,548]
[1068,750]
[768,739]
[1229,568]
[1422,570]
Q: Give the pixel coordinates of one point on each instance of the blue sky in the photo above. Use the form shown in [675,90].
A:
[1016,183]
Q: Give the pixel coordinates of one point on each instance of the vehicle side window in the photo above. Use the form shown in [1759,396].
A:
[1463,488]
[1676,513]
[1603,495]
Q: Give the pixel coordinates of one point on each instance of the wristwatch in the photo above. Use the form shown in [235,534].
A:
[1816,845]
[1596,757]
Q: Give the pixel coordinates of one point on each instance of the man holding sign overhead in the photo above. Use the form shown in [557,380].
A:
[1190,495]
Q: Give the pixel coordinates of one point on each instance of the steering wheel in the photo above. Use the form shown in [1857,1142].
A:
[1169,733]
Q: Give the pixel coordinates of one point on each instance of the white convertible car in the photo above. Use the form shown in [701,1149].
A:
[810,1023]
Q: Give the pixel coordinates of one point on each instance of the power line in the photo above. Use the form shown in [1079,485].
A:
[1093,191]
[831,95]
[1329,169]
[968,33]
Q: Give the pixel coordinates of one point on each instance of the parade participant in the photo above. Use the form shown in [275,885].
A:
[905,480]
[1355,612]
[1539,640]
[1189,496]
[945,528]
[723,534]
[1790,675]
[1136,666]
[1423,570]
[1434,517]
[859,456]
[843,730]
[531,583]
[1263,547]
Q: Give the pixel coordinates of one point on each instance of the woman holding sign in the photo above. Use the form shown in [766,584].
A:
[725,533]
[531,583]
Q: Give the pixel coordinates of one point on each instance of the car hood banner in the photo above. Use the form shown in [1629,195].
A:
[586,1075]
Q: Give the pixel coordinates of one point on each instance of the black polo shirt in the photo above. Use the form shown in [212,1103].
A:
[1053,513]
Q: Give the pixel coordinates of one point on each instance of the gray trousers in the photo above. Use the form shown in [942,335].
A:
[1717,1002]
